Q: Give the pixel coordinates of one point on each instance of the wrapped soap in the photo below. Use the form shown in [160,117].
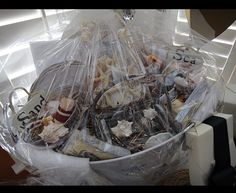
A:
[83,145]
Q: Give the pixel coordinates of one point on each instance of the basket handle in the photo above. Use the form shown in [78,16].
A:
[1,105]
[2,109]
[11,94]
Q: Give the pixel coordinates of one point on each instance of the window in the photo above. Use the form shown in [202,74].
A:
[224,48]
[17,28]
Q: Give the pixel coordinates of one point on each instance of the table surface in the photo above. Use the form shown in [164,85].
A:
[7,174]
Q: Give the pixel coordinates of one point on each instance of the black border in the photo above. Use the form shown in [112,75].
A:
[120,4]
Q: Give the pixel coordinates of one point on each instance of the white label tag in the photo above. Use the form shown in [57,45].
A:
[187,56]
[31,109]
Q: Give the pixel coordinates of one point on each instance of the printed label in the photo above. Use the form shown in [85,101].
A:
[30,110]
[187,57]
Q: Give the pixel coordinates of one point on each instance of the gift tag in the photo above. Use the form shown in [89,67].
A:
[187,56]
[30,110]
[190,57]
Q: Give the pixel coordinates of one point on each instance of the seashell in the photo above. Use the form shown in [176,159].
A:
[152,59]
[149,113]
[176,105]
[123,33]
[104,62]
[181,82]
[132,69]
[157,139]
[86,36]
[122,94]
[185,86]
[123,129]
[47,120]
[52,132]
[103,73]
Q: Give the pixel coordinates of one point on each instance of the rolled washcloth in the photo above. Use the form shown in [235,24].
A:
[65,109]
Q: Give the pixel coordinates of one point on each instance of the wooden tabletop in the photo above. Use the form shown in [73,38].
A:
[7,175]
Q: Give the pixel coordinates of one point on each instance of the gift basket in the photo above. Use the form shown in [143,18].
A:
[114,110]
